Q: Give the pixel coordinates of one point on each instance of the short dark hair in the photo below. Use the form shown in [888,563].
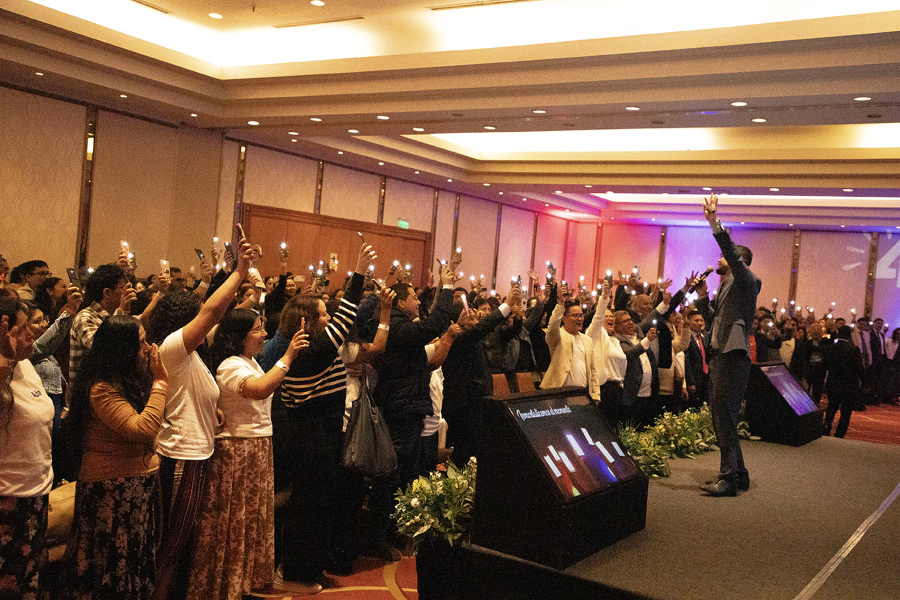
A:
[569,304]
[844,332]
[401,291]
[103,278]
[29,267]
[745,254]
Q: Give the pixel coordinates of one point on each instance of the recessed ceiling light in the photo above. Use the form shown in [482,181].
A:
[610,192]
[848,189]
[416,172]
[418,129]
[294,140]
[449,181]
[759,120]
[707,189]
[567,210]
[353,131]
[39,73]
[665,193]
[842,226]
[774,189]
[742,222]
[632,108]
[489,127]
[501,193]
[791,225]
[252,122]
[486,184]
[558,192]
[383,118]
[215,15]
[193,114]
[380,163]
[546,205]
[862,98]
[588,186]
[316,119]
[293,133]
[539,112]
[653,219]
[123,95]
[340,151]
[317,3]
[739,104]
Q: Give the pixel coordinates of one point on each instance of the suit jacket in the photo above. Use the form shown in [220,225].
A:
[560,342]
[467,375]
[634,371]
[843,361]
[731,313]
[693,363]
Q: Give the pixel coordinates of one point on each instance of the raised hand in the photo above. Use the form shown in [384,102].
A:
[665,284]
[8,339]
[128,296]
[709,207]
[447,275]
[245,257]
[157,368]
[73,300]
[563,292]
[651,335]
[465,317]
[366,257]
[386,296]
[299,342]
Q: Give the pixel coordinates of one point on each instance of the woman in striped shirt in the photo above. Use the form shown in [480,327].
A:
[313,393]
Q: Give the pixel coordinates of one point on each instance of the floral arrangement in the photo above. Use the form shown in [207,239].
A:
[438,505]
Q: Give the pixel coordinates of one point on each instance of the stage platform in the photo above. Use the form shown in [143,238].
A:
[771,541]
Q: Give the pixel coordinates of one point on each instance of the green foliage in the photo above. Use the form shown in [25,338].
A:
[438,505]
[682,435]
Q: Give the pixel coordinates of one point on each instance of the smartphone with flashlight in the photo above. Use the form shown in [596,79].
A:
[240,229]
[200,254]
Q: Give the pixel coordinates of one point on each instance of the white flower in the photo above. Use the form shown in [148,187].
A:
[414,503]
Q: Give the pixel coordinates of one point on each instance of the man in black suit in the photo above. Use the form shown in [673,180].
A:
[843,362]
[731,315]
[696,369]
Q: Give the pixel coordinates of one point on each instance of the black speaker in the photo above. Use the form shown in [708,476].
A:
[554,484]
[777,407]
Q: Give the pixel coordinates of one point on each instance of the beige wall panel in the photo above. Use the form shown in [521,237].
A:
[624,246]
[193,221]
[772,249]
[41,157]
[443,238]
[833,268]
[551,240]
[134,188]
[409,202]
[280,180]
[514,258]
[476,236]
[581,251]
[227,182]
[350,194]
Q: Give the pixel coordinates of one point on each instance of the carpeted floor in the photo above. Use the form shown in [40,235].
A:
[879,424]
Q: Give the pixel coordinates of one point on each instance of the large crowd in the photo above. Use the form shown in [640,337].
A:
[202,417]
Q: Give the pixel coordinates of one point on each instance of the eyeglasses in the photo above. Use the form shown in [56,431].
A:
[43,273]
[578,316]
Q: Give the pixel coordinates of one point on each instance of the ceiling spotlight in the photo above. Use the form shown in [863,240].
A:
[501,193]
[632,108]
[340,151]
[353,131]
[39,73]
[588,186]
[416,172]
[380,164]
[418,129]
[848,189]
[567,210]
[489,127]
[316,119]
[739,104]
[774,189]
[842,226]
[252,122]
[486,184]
[539,112]
[193,114]
[558,192]
[610,192]
[317,3]
[707,189]
[294,139]
[293,133]
[449,181]
[862,98]
[546,205]
[759,120]
[383,118]
[215,15]
[123,95]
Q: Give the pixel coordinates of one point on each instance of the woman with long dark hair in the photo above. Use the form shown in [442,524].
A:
[117,404]
[234,550]
[50,297]
[179,324]
[26,472]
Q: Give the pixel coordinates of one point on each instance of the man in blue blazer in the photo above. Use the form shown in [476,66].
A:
[731,315]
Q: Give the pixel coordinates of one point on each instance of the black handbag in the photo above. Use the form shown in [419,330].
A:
[367,447]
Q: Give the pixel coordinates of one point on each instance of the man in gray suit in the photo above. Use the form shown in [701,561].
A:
[731,315]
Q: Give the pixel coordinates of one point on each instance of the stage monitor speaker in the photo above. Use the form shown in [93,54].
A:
[554,483]
[778,409]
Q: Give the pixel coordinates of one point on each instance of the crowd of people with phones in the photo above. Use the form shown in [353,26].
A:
[202,417]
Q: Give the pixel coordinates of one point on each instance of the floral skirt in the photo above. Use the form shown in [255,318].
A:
[234,547]
[23,529]
[115,536]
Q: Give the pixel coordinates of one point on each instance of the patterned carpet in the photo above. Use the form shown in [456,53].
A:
[879,424]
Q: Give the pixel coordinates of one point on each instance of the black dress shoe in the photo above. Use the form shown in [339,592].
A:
[719,488]
[743,481]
